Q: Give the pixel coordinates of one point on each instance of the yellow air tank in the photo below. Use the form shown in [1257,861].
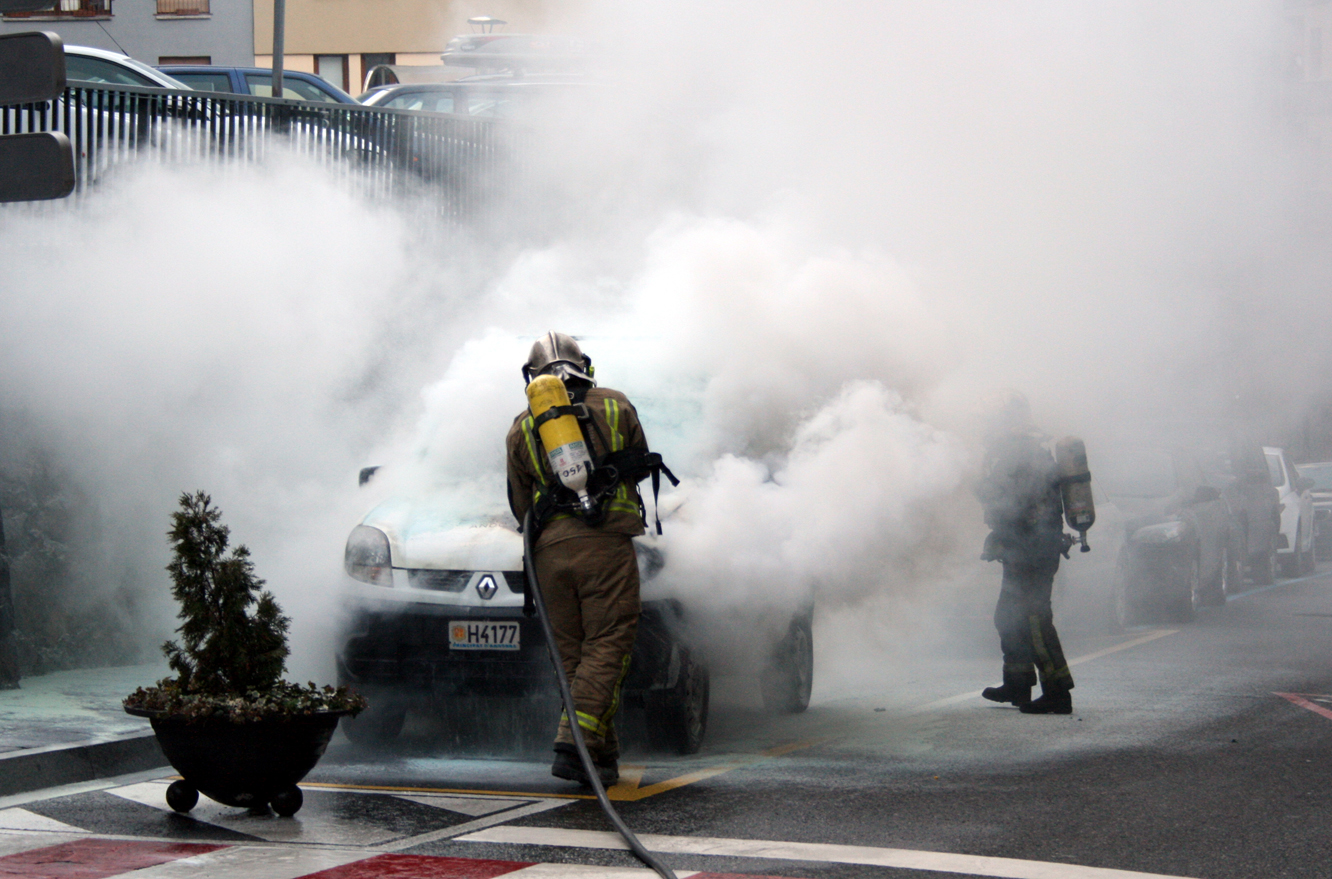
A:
[1075,486]
[566,449]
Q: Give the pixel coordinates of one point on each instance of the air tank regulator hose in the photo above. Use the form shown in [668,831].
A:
[534,588]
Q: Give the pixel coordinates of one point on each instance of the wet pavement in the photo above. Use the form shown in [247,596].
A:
[73,707]
[1195,750]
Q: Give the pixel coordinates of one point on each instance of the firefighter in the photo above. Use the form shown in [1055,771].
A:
[585,563]
[1020,493]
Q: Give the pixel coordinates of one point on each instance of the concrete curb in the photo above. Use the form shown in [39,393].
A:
[54,765]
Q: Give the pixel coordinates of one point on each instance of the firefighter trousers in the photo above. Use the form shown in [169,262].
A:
[590,585]
[1027,634]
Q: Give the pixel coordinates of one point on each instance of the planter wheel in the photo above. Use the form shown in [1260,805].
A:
[181,797]
[287,802]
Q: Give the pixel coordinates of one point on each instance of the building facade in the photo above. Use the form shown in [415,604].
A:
[153,31]
[341,40]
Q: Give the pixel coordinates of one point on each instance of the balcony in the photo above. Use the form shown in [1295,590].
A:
[182,7]
[69,9]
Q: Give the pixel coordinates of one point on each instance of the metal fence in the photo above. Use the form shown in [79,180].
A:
[454,161]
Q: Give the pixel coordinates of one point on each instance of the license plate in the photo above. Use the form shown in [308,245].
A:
[482,635]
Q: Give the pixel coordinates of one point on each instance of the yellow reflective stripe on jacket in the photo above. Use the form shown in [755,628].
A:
[529,428]
[621,502]
[613,419]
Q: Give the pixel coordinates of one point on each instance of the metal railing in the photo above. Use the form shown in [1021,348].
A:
[182,7]
[454,162]
[70,9]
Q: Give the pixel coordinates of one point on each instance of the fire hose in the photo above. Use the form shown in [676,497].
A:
[593,778]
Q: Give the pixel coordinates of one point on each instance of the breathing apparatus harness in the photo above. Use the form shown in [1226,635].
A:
[584,486]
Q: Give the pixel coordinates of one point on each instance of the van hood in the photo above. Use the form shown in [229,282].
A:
[429,536]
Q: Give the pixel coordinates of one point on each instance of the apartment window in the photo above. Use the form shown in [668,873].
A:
[182,7]
[69,9]
[333,69]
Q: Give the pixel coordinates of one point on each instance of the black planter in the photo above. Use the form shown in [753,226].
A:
[249,765]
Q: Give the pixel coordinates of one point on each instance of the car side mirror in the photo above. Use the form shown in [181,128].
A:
[1206,494]
[1304,483]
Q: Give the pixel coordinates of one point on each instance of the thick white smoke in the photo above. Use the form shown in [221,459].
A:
[803,238]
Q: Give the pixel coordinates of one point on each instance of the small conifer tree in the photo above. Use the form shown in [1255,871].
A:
[226,648]
[233,635]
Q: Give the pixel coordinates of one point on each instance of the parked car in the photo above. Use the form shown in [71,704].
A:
[296,85]
[478,97]
[1179,550]
[433,599]
[1321,490]
[1295,542]
[88,64]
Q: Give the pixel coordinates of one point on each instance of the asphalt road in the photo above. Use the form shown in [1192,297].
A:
[1197,750]
[1182,758]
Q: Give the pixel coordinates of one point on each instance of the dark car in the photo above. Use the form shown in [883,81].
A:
[1320,474]
[478,97]
[1179,551]
[296,85]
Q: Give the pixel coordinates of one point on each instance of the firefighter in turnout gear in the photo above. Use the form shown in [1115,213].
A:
[1020,493]
[583,552]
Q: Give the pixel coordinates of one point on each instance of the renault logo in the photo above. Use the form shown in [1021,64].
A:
[485,587]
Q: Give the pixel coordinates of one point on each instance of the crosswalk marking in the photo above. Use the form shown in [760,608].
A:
[306,826]
[22,819]
[907,859]
[475,807]
[254,862]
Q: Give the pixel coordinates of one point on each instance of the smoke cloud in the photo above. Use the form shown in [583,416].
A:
[804,238]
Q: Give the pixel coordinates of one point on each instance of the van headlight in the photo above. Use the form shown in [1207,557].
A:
[367,558]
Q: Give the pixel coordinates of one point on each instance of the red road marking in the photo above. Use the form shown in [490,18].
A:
[1299,700]
[419,867]
[96,858]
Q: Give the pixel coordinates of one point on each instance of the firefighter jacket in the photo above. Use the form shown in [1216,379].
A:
[1019,491]
[616,428]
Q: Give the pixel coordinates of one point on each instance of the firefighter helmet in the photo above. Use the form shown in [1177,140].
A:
[1007,411]
[559,355]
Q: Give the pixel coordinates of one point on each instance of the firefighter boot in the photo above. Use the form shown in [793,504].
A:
[568,766]
[1015,689]
[1053,700]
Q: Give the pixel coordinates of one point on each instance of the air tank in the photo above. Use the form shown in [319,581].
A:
[566,448]
[1075,486]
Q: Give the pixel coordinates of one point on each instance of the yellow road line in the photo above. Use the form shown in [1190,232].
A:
[1123,645]
[1141,639]
[626,790]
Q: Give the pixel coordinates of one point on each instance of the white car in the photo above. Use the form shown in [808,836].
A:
[87,64]
[1295,542]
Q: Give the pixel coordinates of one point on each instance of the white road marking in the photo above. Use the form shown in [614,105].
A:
[13,842]
[254,862]
[22,819]
[478,824]
[905,859]
[476,807]
[304,827]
